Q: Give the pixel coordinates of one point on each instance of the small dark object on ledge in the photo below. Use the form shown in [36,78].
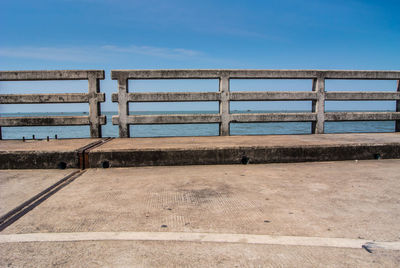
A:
[377,156]
[245,160]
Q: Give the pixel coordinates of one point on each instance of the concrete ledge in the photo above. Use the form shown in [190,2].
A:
[198,150]
[41,160]
[244,149]
[41,154]
[242,155]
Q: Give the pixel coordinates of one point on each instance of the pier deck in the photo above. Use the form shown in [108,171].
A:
[336,214]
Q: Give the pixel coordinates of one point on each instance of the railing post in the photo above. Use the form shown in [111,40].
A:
[123,107]
[398,108]
[94,106]
[224,106]
[318,106]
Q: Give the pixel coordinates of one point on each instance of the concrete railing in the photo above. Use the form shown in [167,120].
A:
[318,96]
[93,97]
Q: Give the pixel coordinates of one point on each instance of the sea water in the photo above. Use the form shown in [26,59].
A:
[168,130]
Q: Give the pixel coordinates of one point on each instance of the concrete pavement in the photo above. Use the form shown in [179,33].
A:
[298,215]
[17,186]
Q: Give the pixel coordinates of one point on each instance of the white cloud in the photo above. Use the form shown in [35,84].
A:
[47,53]
[153,51]
[94,54]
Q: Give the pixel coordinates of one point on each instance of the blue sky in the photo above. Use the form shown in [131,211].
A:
[151,34]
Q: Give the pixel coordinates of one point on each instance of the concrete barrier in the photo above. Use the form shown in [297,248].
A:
[318,96]
[93,97]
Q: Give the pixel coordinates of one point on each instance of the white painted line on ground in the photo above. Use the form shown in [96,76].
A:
[199,237]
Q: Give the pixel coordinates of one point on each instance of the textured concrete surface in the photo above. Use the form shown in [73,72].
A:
[61,145]
[186,254]
[348,200]
[187,143]
[332,199]
[17,186]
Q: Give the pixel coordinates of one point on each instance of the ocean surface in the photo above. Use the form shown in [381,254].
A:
[110,130]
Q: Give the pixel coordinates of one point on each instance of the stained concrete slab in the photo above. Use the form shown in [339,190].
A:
[236,149]
[17,186]
[186,254]
[349,199]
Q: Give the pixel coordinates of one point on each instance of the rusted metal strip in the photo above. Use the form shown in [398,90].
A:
[83,153]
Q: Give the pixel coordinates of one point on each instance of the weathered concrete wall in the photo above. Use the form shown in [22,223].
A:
[318,96]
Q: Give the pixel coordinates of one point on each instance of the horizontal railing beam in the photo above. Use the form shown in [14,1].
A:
[254,74]
[50,75]
[170,119]
[48,98]
[362,75]
[273,117]
[47,121]
[272,74]
[213,74]
[337,95]
[167,74]
[272,96]
[169,96]
[362,116]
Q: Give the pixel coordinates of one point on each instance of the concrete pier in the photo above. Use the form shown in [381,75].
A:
[328,200]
